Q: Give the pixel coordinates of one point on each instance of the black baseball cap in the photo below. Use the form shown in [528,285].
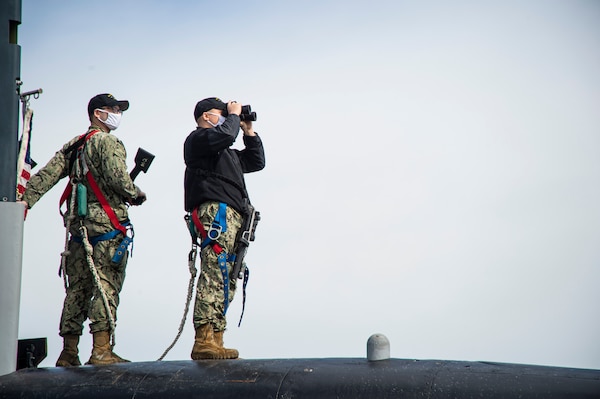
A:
[207,104]
[106,100]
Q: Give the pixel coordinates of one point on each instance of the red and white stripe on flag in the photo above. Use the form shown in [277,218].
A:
[24,178]
[24,163]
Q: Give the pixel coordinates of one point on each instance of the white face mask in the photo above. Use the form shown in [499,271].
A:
[112,120]
[222,119]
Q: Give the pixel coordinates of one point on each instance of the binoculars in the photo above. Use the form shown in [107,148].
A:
[247,114]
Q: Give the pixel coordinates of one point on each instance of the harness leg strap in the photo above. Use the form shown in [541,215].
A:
[222,259]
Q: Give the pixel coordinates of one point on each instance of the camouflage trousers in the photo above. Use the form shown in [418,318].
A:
[210,294]
[83,300]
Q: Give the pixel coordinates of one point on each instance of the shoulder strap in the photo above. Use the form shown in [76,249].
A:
[95,188]
[70,151]
[102,199]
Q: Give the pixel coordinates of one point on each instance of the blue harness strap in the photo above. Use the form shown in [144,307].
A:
[218,226]
[196,227]
[96,239]
[222,259]
[120,252]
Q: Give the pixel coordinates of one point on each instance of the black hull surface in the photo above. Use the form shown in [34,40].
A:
[304,378]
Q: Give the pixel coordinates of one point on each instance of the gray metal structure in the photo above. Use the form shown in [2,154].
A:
[11,250]
[11,213]
[10,71]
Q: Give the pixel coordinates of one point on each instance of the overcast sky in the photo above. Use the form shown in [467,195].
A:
[432,171]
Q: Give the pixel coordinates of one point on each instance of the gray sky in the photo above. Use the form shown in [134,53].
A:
[432,171]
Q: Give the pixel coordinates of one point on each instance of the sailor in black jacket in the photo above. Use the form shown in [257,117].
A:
[216,193]
[214,172]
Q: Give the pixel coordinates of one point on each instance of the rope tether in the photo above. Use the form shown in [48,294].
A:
[193,272]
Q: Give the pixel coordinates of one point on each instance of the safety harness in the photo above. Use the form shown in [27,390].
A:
[209,238]
[122,228]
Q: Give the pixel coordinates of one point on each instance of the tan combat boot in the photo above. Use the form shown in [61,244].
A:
[102,352]
[209,345]
[68,357]
[229,353]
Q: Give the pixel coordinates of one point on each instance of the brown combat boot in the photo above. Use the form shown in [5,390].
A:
[102,352]
[69,355]
[229,353]
[209,345]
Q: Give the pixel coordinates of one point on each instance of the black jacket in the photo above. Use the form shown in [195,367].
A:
[215,172]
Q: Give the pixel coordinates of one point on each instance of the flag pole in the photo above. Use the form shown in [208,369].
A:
[24,162]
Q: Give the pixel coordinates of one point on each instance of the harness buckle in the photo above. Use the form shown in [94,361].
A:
[215,231]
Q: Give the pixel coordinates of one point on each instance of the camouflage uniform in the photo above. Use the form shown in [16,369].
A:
[210,295]
[105,156]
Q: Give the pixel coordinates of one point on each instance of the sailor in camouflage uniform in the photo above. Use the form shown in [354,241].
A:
[105,156]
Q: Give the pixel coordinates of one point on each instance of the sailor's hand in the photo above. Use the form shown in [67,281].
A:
[233,107]
[140,199]
[247,128]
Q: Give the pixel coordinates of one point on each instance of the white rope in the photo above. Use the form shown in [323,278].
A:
[89,251]
[193,273]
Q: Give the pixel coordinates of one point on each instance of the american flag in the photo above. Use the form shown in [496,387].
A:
[24,162]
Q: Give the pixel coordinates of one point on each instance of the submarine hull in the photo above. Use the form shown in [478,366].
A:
[304,378]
